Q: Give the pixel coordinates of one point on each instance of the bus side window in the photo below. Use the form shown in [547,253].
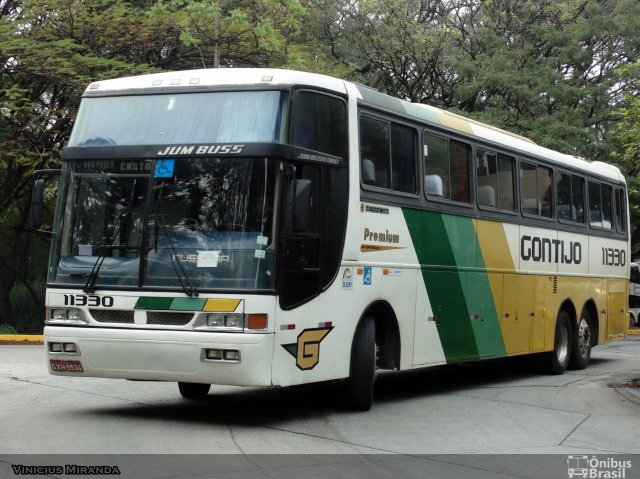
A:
[495,180]
[595,211]
[320,123]
[600,205]
[570,201]
[621,211]
[447,163]
[375,151]
[535,190]
[387,155]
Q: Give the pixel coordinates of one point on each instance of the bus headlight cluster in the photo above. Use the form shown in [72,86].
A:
[231,322]
[66,316]
[227,321]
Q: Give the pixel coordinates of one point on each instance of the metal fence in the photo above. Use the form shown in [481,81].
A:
[23,267]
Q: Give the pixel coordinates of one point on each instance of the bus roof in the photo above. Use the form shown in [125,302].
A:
[199,79]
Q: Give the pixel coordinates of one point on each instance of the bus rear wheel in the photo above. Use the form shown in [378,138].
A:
[194,390]
[581,347]
[359,384]
[558,359]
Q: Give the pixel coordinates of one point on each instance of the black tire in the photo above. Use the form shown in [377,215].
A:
[359,384]
[582,340]
[558,359]
[194,390]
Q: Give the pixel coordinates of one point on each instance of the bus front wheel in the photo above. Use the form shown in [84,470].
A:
[194,390]
[558,359]
[359,384]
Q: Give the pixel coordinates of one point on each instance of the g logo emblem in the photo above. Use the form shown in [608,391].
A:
[307,349]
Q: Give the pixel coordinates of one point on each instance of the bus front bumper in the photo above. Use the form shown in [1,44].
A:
[242,359]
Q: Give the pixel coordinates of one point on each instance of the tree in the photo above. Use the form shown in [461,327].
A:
[240,33]
[51,50]
[543,69]
[626,143]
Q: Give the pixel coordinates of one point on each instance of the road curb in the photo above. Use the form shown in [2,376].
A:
[21,338]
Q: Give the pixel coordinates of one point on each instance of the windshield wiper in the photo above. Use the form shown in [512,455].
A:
[90,285]
[188,289]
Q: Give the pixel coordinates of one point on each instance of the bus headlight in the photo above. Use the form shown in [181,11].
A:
[66,316]
[235,321]
[231,322]
[215,320]
[220,321]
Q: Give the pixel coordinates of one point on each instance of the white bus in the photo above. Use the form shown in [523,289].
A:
[270,228]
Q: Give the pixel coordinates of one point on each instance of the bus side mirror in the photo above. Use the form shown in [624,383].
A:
[299,205]
[37,203]
[38,198]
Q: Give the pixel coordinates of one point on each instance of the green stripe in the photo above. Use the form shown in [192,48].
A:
[188,304]
[152,302]
[176,304]
[452,268]
[475,283]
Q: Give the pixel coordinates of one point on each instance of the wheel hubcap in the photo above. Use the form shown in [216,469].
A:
[563,345]
[584,338]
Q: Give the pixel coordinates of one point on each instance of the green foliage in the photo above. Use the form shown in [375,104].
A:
[239,33]
[24,309]
[625,140]
[552,70]
[7,329]
[544,69]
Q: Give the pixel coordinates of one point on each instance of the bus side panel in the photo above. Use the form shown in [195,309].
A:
[514,294]
[545,313]
[427,347]
[313,341]
[459,289]
[609,258]
[617,317]
[445,287]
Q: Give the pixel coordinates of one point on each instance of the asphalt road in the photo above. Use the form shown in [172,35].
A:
[495,410]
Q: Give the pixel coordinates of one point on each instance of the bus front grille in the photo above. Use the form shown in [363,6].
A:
[168,318]
[112,316]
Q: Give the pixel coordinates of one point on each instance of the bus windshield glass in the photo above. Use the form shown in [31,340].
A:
[214,117]
[202,222]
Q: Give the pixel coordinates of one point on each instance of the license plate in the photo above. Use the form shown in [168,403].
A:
[66,365]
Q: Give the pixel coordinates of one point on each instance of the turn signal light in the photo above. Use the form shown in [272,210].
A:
[257,321]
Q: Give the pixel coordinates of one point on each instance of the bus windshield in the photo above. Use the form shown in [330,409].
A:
[212,117]
[204,222]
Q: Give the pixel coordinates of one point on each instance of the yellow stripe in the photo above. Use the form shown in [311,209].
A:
[494,246]
[222,305]
[633,332]
[21,338]
[456,122]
